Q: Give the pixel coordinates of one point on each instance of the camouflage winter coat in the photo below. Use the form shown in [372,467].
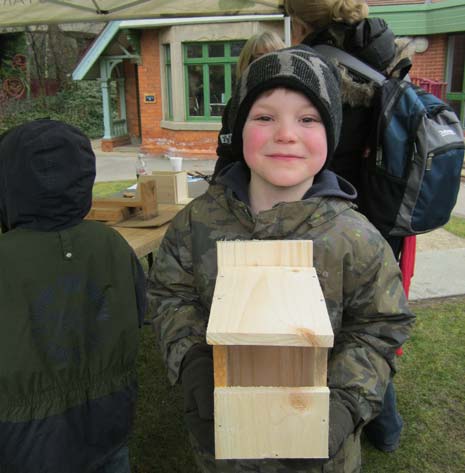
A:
[357,271]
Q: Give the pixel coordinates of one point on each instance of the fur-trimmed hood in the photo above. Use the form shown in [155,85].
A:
[356,92]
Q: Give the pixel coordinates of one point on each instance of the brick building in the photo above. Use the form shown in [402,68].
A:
[172,79]
[165,82]
[438,27]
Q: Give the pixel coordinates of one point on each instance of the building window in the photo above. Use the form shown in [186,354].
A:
[168,83]
[209,69]
[456,75]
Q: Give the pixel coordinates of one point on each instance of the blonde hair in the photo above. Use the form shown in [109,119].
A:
[316,14]
[256,46]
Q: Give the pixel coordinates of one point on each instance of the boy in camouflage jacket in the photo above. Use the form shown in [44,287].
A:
[286,119]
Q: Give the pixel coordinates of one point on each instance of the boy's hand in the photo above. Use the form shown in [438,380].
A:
[197,384]
[341,425]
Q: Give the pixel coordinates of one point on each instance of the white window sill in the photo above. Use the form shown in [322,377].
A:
[205,126]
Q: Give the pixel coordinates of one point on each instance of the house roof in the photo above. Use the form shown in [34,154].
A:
[87,67]
[95,50]
[411,17]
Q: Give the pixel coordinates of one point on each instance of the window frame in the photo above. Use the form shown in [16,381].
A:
[205,61]
[455,96]
[168,82]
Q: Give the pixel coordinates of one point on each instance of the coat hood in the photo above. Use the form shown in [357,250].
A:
[47,171]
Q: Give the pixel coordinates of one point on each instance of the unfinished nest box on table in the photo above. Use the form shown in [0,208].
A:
[270,332]
[172,187]
[153,194]
[114,209]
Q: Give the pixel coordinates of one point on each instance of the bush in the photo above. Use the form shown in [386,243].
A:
[79,104]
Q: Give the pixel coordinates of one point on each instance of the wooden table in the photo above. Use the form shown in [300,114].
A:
[145,240]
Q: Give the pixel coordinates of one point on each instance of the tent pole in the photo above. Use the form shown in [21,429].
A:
[287,31]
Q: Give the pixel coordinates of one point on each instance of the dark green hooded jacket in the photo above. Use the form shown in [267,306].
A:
[72,300]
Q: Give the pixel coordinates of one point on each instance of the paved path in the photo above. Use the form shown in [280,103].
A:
[440,258]
[121,163]
[440,261]
[439,266]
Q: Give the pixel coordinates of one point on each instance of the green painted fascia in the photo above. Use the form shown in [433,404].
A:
[423,19]
[96,49]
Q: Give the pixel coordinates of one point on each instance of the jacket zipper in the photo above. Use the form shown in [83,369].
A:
[430,156]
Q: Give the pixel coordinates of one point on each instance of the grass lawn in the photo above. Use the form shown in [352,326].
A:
[105,189]
[430,387]
[456,225]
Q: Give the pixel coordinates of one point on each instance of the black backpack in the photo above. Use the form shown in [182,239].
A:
[411,178]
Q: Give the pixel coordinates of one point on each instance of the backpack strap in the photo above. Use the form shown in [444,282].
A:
[351,62]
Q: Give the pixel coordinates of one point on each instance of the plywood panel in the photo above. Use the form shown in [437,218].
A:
[111,214]
[297,253]
[275,366]
[221,365]
[271,422]
[171,187]
[267,305]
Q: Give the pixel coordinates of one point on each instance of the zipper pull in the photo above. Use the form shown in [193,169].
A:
[429,161]
[415,151]
[379,157]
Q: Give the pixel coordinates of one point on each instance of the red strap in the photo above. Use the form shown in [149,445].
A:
[407,261]
[407,266]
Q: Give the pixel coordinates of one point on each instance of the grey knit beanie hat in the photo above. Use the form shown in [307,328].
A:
[298,68]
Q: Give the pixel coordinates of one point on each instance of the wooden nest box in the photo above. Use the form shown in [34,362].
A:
[172,187]
[114,209]
[271,332]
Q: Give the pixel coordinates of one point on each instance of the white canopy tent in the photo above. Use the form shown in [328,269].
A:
[34,12]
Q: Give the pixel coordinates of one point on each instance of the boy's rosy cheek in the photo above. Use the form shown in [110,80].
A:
[253,138]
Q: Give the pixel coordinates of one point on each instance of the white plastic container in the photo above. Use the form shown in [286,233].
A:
[176,163]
